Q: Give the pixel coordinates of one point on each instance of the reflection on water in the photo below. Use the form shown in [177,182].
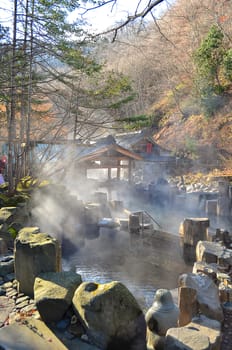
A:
[142,265]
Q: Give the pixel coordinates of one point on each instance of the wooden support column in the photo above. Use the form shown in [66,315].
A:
[109,184]
[119,170]
[109,173]
[129,170]
[224,201]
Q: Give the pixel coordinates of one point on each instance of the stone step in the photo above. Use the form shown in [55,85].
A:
[31,335]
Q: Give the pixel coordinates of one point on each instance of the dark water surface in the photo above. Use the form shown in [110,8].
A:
[141,264]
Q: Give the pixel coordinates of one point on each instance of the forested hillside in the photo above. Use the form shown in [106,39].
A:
[181,70]
[171,74]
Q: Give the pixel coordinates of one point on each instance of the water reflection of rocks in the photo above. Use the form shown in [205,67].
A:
[142,264]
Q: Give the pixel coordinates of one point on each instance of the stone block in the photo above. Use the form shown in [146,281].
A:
[194,229]
[34,253]
[210,328]
[207,294]
[53,293]
[183,338]
[187,305]
[111,316]
[211,252]
[211,207]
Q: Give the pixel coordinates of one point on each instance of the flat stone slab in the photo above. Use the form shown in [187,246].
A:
[30,335]
[75,343]
[6,307]
[183,338]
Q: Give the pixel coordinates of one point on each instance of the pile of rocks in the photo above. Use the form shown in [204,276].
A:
[195,183]
[44,307]
[50,308]
[87,314]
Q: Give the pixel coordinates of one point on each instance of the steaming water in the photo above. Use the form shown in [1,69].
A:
[140,264]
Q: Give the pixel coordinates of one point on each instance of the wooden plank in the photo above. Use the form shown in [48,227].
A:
[105,166]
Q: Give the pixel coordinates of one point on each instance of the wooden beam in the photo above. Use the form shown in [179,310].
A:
[117,158]
[105,166]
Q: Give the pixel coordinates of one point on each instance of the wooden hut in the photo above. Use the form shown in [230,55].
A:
[107,154]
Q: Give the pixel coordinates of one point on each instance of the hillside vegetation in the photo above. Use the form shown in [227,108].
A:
[172,75]
[181,69]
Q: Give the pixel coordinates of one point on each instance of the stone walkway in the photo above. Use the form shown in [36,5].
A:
[21,327]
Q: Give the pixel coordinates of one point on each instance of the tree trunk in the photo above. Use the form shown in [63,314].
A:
[12,114]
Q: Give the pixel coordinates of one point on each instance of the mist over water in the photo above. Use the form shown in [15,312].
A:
[114,255]
[143,265]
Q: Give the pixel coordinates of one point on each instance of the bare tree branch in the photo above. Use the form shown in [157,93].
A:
[151,4]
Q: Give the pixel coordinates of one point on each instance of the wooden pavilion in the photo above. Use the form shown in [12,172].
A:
[107,154]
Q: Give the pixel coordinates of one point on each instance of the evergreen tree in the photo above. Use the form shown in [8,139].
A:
[47,55]
[213,61]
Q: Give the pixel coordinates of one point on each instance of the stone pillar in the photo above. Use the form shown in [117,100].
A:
[187,305]
[212,207]
[34,253]
[224,200]
[195,229]
[191,231]
[134,224]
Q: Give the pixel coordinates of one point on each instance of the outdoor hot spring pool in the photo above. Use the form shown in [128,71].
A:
[142,266]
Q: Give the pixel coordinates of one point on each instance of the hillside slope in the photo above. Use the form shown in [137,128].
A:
[188,101]
[208,141]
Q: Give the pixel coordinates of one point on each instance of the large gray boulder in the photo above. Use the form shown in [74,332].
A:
[111,316]
[207,295]
[53,293]
[34,253]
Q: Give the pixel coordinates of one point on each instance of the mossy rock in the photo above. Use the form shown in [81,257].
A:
[14,229]
[12,201]
[111,315]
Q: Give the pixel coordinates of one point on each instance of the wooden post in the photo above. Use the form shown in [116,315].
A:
[187,301]
[109,173]
[129,171]
[119,170]
[192,231]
